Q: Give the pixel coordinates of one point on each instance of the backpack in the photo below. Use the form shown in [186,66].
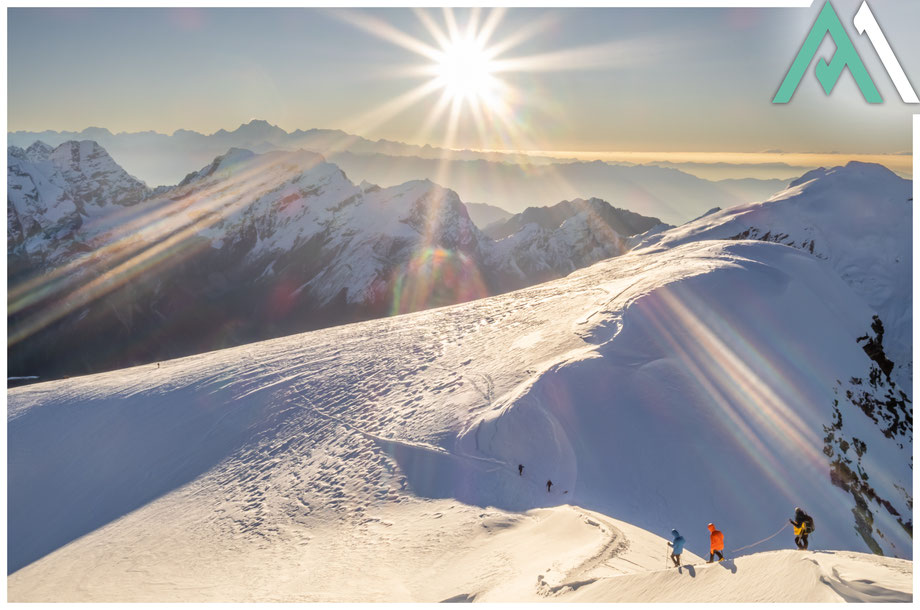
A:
[809,524]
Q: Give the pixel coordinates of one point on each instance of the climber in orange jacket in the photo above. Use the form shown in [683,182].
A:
[716,543]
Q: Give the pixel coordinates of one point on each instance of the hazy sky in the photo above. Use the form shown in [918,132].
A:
[630,79]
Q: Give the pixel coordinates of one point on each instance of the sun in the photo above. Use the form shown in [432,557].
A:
[464,69]
[474,86]
[479,95]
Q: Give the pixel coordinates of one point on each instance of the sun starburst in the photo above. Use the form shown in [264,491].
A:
[469,70]
[461,68]
[465,72]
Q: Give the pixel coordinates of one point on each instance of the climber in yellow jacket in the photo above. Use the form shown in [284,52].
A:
[801,527]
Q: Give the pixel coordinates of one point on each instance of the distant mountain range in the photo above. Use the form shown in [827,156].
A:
[666,193]
[161,159]
[510,181]
[250,246]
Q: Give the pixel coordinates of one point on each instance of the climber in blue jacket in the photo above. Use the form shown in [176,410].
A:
[677,547]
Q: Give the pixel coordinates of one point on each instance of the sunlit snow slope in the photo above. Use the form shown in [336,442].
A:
[856,217]
[379,460]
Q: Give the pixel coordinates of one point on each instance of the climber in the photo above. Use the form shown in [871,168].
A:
[801,527]
[716,543]
[677,546]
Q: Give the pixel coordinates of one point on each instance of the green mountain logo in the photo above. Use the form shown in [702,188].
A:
[845,56]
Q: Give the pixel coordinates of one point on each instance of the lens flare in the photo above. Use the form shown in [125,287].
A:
[435,277]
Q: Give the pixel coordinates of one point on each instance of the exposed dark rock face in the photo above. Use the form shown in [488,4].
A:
[879,399]
[873,346]
[777,238]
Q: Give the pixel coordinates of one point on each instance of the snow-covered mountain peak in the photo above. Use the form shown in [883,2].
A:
[259,129]
[96,133]
[76,153]
[435,212]
[857,217]
[236,160]
[38,151]
[93,177]
[223,162]
[849,194]
[592,202]
[366,186]
[850,203]
[234,155]
[421,193]
[854,170]
[623,222]
[52,192]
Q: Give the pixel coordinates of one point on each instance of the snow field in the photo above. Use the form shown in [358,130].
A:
[378,461]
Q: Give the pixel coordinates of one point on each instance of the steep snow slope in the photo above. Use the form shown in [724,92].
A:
[664,389]
[856,217]
[733,378]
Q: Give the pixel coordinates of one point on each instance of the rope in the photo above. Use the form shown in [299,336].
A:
[762,541]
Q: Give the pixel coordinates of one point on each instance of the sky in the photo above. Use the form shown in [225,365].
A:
[572,80]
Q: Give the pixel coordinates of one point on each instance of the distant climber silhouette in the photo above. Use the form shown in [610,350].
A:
[520,470]
[548,485]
